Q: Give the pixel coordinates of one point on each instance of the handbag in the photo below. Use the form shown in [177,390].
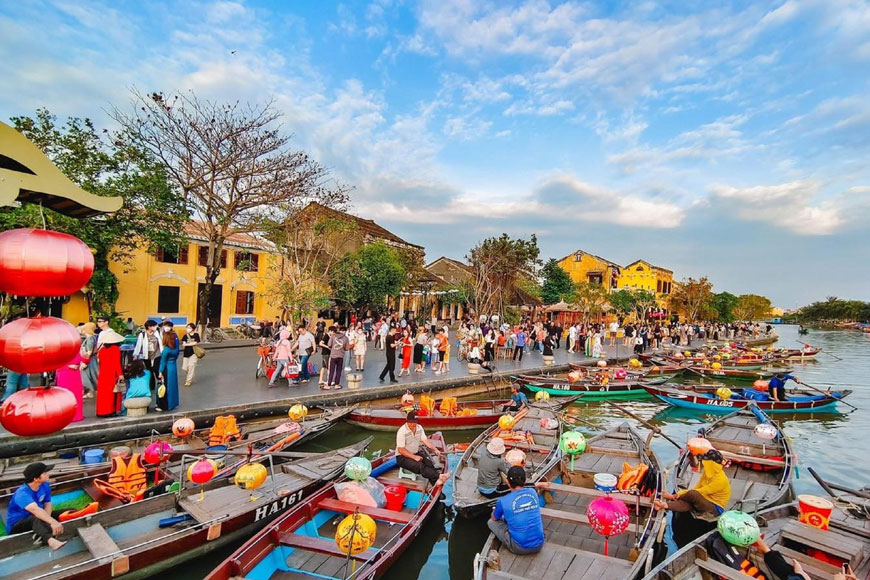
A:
[198,351]
[401,355]
[120,386]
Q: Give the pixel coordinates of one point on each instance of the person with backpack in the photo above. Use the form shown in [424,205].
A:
[338,345]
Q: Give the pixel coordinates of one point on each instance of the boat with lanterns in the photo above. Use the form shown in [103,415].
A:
[325,537]
[718,399]
[534,431]
[156,533]
[730,375]
[598,514]
[760,466]
[593,386]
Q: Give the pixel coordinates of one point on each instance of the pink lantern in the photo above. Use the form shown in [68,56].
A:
[38,411]
[621,374]
[608,516]
[157,452]
[35,345]
[202,471]
[43,263]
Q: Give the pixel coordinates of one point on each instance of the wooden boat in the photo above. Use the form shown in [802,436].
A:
[301,544]
[145,537]
[542,453]
[801,354]
[760,472]
[68,462]
[591,388]
[572,549]
[852,506]
[731,375]
[816,550]
[705,399]
[760,341]
[479,414]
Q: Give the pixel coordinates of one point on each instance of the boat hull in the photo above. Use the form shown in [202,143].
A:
[699,402]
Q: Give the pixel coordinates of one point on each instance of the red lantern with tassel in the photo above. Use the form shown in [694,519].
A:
[43,263]
[38,411]
[608,516]
[36,345]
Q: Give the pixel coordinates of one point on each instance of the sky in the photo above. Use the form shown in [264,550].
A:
[719,139]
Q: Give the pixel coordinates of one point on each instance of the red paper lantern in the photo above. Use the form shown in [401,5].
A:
[202,471]
[157,452]
[35,345]
[608,516]
[43,263]
[183,427]
[38,411]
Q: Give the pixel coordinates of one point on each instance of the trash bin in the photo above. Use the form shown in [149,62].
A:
[396,495]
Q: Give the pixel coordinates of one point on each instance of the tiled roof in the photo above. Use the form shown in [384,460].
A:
[195,231]
[651,266]
[605,260]
[367,227]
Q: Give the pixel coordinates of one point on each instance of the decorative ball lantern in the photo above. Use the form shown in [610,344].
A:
[251,476]
[407,399]
[38,411]
[43,263]
[766,432]
[542,396]
[723,393]
[157,452]
[183,427]
[608,516]
[201,472]
[738,528]
[716,366]
[602,364]
[355,534]
[506,422]
[515,457]
[620,374]
[572,443]
[761,385]
[298,412]
[575,376]
[36,345]
[358,468]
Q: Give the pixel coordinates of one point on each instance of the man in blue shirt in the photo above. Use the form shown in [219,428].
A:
[516,519]
[521,345]
[518,400]
[776,385]
[30,507]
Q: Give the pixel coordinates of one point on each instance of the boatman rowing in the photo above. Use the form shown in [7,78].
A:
[410,454]
[776,385]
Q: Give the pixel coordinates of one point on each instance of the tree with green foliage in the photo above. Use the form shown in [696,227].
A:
[557,285]
[692,299]
[644,302]
[499,265]
[103,163]
[591,299]
[724,303]
[834,309]
[752,307]
[366,278]
[622,301]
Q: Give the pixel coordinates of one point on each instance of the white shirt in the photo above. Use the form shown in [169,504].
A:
[572,333]
[410,441]
[614,326]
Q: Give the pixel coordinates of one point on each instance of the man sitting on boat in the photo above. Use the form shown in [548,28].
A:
[516,519]
[519,400]
[30,507]
[709,496]
[409,453]
[776,385]
[492,469]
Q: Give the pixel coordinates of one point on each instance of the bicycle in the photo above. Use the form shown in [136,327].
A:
[215,334]
[248,330]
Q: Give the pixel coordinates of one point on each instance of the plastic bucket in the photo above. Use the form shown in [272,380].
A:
[605,481]
[215,453]
[396,495]
[93,456]
[815,511]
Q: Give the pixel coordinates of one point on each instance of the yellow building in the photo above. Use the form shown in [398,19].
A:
[641,275]
[585,267]
[167,283]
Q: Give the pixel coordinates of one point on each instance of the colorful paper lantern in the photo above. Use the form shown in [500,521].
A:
[575,376]
[355,534]
[572,443]
[183,427]
[723,393]
[357,468]
[506,422]
[608,516]
[38,411]
[43,263]
[549,423]
[602,364]
[716,366]
[698,445]
[157,452]
[515,457]
[251,476]
[620,374]
[202,471]
[760,385]
[738,528]
[36,345]
[298,412]
[542,396]
[407,399]
[766,431]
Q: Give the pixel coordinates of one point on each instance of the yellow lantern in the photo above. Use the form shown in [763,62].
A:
[506,422]
[705,362]
[687,353]
[723,393]
[542,396]
[298,412]
[355,534]
[716,366]
[717,357]
[250,477]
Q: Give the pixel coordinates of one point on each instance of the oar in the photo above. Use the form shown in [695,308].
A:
[829,487]
[649,425]
[820,350]
[818,390]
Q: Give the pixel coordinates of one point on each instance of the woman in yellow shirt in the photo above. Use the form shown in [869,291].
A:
[711,494]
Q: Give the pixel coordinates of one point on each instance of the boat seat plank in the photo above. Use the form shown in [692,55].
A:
[98,542]
[411,485]
[719,569]
[752,459]
[841,545]
[625,452]
[813,565]
[592,492]
[320,545]
[574,518]
[386,515]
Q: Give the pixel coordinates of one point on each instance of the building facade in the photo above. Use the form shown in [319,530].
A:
[585,267]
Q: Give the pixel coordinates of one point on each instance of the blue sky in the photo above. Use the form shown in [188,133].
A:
[721,139]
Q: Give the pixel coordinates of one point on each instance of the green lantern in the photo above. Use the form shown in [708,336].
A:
[738,528]
[572,443]
[357,468]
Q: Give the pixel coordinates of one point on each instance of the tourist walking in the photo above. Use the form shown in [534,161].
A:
[283,354]
[338,346]
[521,345]
[148,349]
[109,355]
[360,347]
[168,399]
[321,340]
[190,360]
[91,365]
[390,351]
[421,342]
[407,353]
[304,350]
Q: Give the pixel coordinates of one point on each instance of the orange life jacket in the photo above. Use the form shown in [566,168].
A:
[751,569]
[224,430]
[127,480]
[632,476]
[89,509]
[427,403]
[448,406]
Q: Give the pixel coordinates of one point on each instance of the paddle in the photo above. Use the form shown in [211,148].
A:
[646,423]
[818,390]
[821,350]
[829,487]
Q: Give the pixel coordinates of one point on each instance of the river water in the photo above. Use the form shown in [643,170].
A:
[832,443]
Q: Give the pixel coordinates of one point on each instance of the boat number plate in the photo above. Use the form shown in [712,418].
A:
[278,505]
